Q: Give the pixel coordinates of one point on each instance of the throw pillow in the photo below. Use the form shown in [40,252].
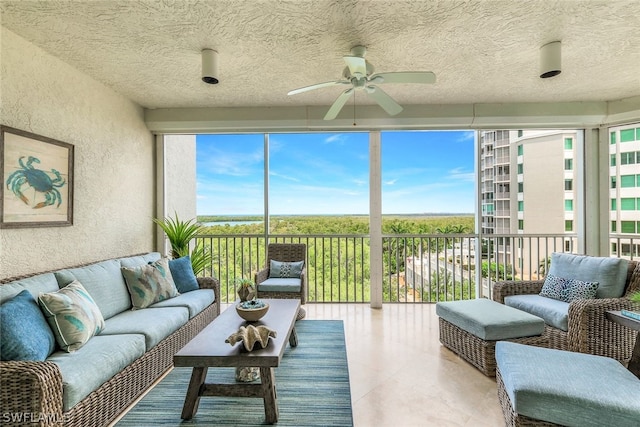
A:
[150,283]
[183,275]
[285,269]
[72,314]
[577,289]
[552,287]
[25,332]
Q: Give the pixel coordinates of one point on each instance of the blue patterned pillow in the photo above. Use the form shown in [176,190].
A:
[72,314]
[285,269]
[568,290]
[182,273]
[553,286]
[25,332]
[150,283]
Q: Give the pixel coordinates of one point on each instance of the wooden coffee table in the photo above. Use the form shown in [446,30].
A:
[208,349]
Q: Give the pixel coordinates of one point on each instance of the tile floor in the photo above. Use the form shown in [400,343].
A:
[400,373]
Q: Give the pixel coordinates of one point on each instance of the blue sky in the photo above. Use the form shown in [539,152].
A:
[328,173]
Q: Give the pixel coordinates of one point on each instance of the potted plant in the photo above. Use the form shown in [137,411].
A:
[180,233]
[246,289]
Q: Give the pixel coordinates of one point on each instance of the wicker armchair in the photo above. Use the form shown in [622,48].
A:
[285,252]
[589,331]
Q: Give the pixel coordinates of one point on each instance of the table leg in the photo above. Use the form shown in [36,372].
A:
[269,392]
[634,363]
[293,338]
[191,401]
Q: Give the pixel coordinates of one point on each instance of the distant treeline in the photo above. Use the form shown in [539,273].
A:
[343,224]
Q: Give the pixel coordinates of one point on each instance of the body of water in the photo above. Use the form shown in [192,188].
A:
[230,223]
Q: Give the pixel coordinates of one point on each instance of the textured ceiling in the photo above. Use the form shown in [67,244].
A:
[482,51]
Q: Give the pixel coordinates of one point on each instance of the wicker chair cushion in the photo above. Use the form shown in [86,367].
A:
[104,282]
[194,301]
[554,312]
[145,322]
[150,283]
[72,314]
[101,358]
[285,269]
[280,285]
[610,273]
[136,260]
[182,273]
[568,388]
[25,332]
[35,285]
[490,320]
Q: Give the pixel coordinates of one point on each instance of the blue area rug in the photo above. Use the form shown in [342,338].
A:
[312,385]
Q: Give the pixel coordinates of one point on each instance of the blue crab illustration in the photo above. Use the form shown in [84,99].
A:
[37,179]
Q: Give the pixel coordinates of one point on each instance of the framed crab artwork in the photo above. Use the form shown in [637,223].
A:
[37,180]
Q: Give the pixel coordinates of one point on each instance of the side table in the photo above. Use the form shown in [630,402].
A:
[617,317]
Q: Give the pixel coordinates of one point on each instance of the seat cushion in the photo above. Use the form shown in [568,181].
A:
[567,388]
[490,320]
[554,312]
[610,273]
[25,333]
[194,301]
[280,285]
[104,282]
[154,323]
[96,362]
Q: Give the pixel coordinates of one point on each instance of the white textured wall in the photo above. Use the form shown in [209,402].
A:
[114,198]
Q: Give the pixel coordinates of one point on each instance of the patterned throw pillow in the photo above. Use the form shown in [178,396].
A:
[72,314]
[283,269]
[568,290]
[577,289]
[552,287]
[150,283]
[25,332]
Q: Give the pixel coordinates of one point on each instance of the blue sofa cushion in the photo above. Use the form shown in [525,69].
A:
[610,273]
[489,320]
[137,260]
[35,285]
[280,285]
[96,362]
[567,388]
[554,312]
[182,273]
[104,282]
[194,301]
[25,333]
[154,323]
[72,314]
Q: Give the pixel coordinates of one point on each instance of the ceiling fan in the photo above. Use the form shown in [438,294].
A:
[359,74]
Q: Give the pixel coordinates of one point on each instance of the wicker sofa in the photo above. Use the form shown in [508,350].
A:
[42,393]
[587,328]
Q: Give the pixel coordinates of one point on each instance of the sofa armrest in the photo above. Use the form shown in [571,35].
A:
[32,389]
[211,283]
[261,276]
[512,287]
[591,332]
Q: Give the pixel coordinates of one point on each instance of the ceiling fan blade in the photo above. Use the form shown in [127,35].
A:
[338,104]
[404,77]
[318,86]
[386,102]
[357,65]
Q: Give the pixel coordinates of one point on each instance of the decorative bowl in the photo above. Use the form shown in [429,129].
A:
[253,310]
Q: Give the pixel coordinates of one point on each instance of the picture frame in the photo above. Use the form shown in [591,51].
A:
[37,180]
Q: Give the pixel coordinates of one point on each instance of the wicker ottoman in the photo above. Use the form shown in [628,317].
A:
[471,328]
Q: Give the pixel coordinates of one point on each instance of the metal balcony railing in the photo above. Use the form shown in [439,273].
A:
[423,268]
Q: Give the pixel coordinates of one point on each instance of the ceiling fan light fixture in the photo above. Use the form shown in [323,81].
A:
[550,60]
[210,66]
